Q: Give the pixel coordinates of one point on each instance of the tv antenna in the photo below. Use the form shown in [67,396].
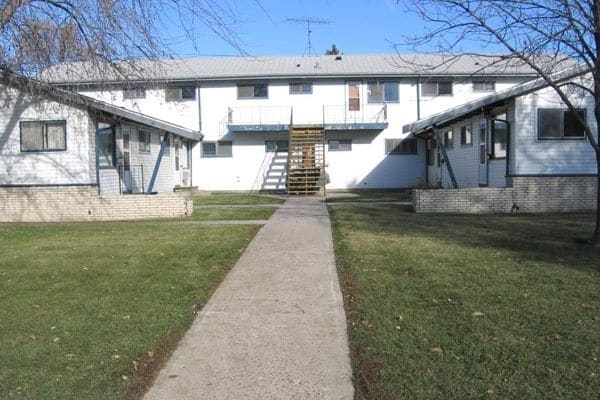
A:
[309,21]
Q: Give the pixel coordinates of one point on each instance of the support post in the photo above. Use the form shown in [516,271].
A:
[157,164]
[440,142]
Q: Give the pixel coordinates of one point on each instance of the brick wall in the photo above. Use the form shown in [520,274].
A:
[82,203]
[529,194]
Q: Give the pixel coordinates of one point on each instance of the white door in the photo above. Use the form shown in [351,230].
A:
[353,105]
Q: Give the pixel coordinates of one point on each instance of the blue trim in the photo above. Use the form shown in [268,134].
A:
[367,126]
[157,165]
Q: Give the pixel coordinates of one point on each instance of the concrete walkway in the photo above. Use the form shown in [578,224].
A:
[275,328]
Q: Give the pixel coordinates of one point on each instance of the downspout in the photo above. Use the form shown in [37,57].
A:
[97,159]
[418,97]
[446,159]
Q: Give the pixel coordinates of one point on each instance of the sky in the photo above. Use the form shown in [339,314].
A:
[355,26]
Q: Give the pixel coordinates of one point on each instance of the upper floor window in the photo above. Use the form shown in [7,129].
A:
[436,88]
[558,123]
[401,146]
[380,92]
[177,93]
[134,93]
[484,86]
[300,87]
[253,91]
[144,141]
[43,135]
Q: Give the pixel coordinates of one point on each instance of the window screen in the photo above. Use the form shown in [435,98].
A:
[276,145]
[401,146]
[301,87]
[340,145]
[144,141]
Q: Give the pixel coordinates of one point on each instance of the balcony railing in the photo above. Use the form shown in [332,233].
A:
[365,116]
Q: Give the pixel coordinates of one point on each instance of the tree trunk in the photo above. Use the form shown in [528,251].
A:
[596,235]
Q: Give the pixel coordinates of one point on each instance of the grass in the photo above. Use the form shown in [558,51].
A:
[215,214]
[469,307]
[369,195]
[235,198]
[86,310]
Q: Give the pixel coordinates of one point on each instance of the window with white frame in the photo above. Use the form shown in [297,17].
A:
[221,148]
[134,93]
[179,93]
[144,141]
[558,123]
[273,146]
[383,92]
[401,146]
[43,135]
[301,87]
[339,144]
[253,91]
[466,135]
[499,139]
[449,139]
[436,88]
[484,86]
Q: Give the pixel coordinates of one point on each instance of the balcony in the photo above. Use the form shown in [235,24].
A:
[330,117]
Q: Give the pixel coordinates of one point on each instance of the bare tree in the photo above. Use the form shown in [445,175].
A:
[35,34]
[546,35]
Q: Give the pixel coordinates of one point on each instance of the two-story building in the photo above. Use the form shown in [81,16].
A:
[307,120]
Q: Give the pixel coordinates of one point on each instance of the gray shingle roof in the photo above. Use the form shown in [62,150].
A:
[225,68]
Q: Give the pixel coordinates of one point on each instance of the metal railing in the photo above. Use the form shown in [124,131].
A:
[307,115]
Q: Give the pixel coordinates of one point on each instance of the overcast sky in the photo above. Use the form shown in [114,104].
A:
[355,26]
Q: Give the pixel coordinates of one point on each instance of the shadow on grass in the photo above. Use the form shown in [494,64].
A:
[535,237]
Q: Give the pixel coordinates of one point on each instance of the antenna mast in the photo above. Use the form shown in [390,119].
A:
[308,21]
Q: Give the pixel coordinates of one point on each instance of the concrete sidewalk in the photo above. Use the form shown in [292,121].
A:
[275,328]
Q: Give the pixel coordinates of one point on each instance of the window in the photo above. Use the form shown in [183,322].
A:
[43,135]
[276,145]
[484,86]
[134,93]
[556,123]
[105,145]
[340,145]
[167,140]
[401,146]
[253,91]
[436,88]
[466,136]
[301,87]
[217,149]
[380,92]
[482,141]
[449,139]
[144,141]
[499,139]
[177,93]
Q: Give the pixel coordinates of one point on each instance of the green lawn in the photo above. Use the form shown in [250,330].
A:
[214,214]
[87,311]
[235,198]
[469,307]
[369,195]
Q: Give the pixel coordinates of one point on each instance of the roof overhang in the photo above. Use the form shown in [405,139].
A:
[77,99]
[447,117]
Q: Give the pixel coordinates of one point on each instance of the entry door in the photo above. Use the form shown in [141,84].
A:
[353,101]
[483,153]
[184,159]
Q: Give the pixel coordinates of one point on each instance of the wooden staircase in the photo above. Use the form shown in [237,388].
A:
[306,161]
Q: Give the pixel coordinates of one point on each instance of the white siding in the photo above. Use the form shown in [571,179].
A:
[366,166]
[75,165]
[533,156]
